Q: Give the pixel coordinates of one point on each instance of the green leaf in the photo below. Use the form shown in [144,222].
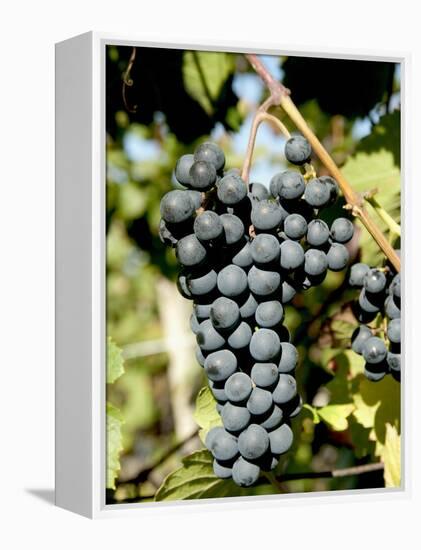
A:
[378,404]
[342,331]
[391,456]
[375,164]
[205,413]
[313,410]
[114,444]
[195,479]
[336,416]
[115,362]
[204,75]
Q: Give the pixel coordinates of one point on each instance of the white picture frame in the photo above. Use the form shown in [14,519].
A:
[80,278]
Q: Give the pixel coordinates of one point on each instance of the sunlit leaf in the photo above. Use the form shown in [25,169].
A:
[115,362]
[114,444]
[391,456]
[336,416]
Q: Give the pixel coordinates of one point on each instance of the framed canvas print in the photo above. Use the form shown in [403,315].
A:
[228,265]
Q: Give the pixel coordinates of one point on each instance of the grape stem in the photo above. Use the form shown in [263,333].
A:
[273,481]
[280,96]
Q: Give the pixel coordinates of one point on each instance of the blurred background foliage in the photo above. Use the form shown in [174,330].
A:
[160,104]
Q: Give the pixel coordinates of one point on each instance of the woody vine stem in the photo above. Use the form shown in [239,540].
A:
[280,96]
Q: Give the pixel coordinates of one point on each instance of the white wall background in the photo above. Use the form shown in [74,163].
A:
[28,32]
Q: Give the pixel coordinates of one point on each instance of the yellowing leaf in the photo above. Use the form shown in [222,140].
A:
[114,444]
[205,413]
[336,416]
[391,456]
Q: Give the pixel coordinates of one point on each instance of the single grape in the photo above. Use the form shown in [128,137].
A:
[243,257]
[394,331]
[222,445]
[266,216]
[273,419]
[195,197]
[240,337]
[208,226]
[281,439]
[342,230]
[176,206]
[317,233]
[332,186]
[293,407]
[317,193]
[265,345]
[221,471]
[264,375]
[395,287]
[202,175]
[248,308]
[182,170]
[288,185]
[373,375]
[244,473]
[232,281]
[231,190]
[367,303]
[259,402]
[190,251]
[259,191]
[291,255]
[264,248]
[202,284]
[212,435]
[374,281]
[285,390]
[210,152]
[374,350]
[297,150]
[288,292]
[269,314]
[262,282]
[238,387]
[224,314]
[235,418]
[360,335]
[220,365]
[233,228]
[357,274]
[315,262]
[253,442]
[200,357]
[337,257]
[183,286]
[218,391]
[391,309]
[165,234]
[394,361]
[208,338]
[202,311]
[289,358]
[194,323]
[295,226]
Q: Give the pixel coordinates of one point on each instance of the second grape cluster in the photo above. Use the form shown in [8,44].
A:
[244,254]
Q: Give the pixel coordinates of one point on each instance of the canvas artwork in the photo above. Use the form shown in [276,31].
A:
[253,293]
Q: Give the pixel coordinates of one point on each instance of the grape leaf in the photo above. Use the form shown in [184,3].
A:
[391,456]
[114,444]
[204,75]
[336,416]
[375,164]
[195,479]
[115,362]
[376,405]
[205,413]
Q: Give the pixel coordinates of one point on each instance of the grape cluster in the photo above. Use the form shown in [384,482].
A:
[245,253]
[379,303]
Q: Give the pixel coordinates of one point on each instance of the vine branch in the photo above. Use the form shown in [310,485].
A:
[280,96]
